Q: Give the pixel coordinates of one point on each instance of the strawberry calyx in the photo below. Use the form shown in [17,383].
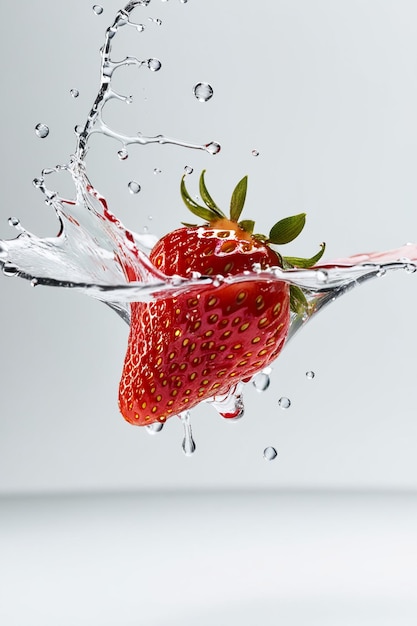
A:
[282,232]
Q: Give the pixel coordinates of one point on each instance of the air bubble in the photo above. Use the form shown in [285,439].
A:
[98,9]
[255,153]
[74,93]
[154,65]
[270,453]
[213,147]
[284,403]
[155,20]
[78,129]
[157,171]
[123,154]
[203,92]
[261,382]
[410,268]
[134,187]
[188,169]
[37,182]
[42,130]
[34,282]
[154,428]
[310,375]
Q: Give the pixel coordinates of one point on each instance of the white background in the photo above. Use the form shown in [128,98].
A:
[327,92]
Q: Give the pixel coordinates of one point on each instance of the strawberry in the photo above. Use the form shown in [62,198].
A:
[185,349]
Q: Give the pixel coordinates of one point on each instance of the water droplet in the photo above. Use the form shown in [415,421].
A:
[74,93]
[140,28]
[188,169]
[203,92]
[14,221]
[310,375]
[410,268]
[134,187]
[154,65]
[157,171]
[188,444]
[284,403]
[261,382]
[38,182]
[213,147]
[255,153]
[42,130]
[270,453]
[98,10]
[123,154]
[34,282]
[150,217]
[381,272]
[154,428]
[10,270]
[155,20]
[183,1]
[78,129]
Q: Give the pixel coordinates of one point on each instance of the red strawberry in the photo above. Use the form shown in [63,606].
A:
[189,348]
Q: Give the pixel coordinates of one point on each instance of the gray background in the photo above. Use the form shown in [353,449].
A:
[327,92]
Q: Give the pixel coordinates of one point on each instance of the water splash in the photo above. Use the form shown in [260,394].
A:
[94,253]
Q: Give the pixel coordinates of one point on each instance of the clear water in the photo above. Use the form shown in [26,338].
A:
[93,248]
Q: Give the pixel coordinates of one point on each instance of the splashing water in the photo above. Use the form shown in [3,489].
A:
[95,254]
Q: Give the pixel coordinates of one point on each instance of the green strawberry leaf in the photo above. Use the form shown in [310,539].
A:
[298,301]
[204,213]
[206,197]
[287,229]
[293,261]
[188,225]
[247,226]
[238,199]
